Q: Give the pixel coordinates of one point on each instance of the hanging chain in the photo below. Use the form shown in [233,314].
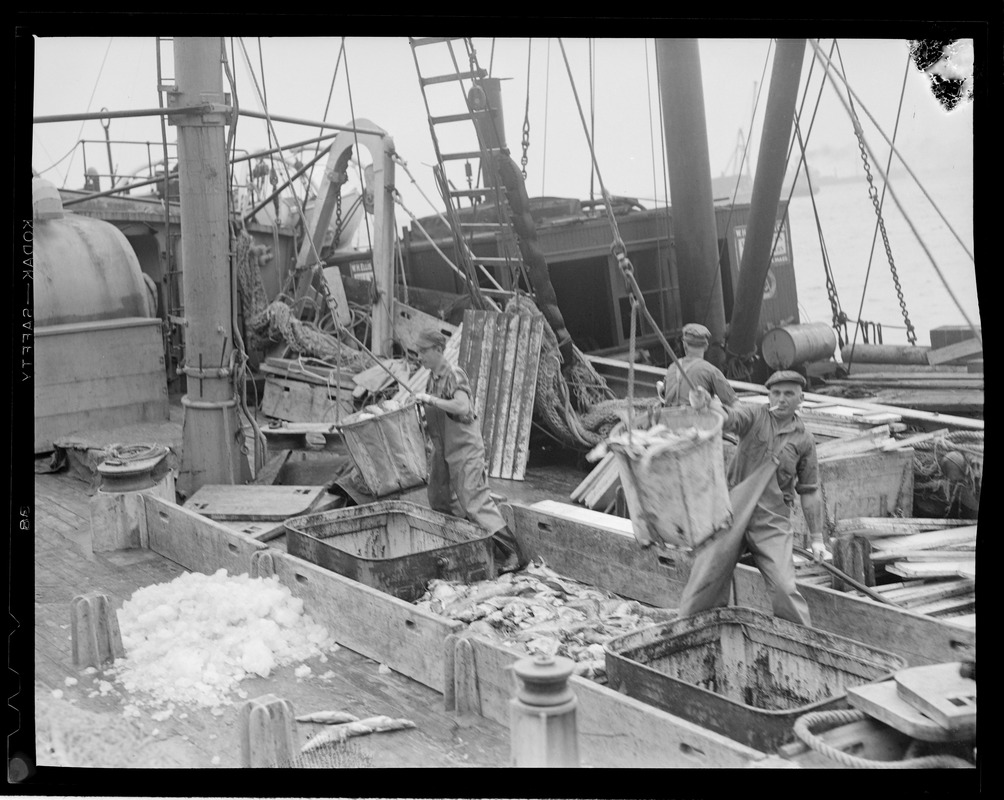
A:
[338,217]
[526,113]
[911,334]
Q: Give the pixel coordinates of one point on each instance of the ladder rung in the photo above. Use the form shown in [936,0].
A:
[455,117]
[469,154]
[456,76]
[434,40]
[481,225]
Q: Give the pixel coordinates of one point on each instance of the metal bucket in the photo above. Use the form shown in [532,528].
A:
[389,450]
[678,492]
[742,672]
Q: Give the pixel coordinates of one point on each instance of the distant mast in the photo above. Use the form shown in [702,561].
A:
[212,436]
[695,232]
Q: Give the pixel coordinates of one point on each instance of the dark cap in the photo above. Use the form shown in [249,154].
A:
[785,376]
[695,333]
[430,338]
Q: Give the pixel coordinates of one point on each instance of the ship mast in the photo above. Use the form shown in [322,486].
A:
[212,435]
[695,233]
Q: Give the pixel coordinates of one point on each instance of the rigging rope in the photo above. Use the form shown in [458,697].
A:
[829,74]
[547,90]
[327,106]
[101,69]
[526,111]
[871,252]
[911,334]
[618,247]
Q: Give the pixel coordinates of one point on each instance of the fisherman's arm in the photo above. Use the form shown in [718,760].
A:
[807,488]
[459,405]
[737,419]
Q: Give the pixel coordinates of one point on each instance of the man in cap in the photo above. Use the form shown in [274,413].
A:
[775,434]
[458,484]
[674,390]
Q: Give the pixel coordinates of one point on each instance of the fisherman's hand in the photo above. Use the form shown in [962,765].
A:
[820,553]
[422,397]
[699,398]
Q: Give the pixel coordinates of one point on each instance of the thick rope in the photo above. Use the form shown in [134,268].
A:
[803,730]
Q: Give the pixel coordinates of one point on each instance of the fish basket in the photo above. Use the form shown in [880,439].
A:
[677,490]
[388,450]
[741,672]
[394,546]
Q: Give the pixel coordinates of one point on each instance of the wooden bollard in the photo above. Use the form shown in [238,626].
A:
[542,714]
[94,631]
[262,564]
[268,732]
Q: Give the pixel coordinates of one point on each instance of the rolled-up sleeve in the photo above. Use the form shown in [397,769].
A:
[739,419]
[807,470]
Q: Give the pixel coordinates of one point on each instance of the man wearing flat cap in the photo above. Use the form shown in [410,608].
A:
[458,484]
[674,391]
[769,433]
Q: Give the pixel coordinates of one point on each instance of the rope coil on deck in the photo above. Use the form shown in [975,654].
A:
[803,730]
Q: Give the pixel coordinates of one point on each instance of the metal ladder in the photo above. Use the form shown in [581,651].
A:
[506,238]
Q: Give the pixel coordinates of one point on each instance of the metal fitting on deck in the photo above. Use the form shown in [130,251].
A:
[542,717]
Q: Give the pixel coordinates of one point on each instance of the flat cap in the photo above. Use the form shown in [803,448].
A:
[430,338]
[785,376]
[696,333]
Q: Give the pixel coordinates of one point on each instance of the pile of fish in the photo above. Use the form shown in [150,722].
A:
[641,442]
[542,612]
[375,410]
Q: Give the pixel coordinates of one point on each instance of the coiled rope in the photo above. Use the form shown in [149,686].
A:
[803,730]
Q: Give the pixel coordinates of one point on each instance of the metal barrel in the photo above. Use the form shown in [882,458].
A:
[791,345]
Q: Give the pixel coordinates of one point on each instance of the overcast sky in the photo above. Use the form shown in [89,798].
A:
[88,74]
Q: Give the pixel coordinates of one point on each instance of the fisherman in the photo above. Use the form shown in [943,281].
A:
[766,434]
[458,483]
[673,391]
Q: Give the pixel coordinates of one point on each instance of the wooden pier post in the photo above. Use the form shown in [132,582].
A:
[268,732]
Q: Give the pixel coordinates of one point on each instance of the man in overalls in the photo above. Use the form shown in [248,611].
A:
[458,484]
[674,390]
[767,435]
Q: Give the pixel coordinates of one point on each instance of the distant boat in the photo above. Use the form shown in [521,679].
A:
[725,186]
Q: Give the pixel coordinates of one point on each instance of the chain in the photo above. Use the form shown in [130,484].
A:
[338,217]
[911,334]
[526,113]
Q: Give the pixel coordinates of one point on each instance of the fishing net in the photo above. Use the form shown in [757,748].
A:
[339,754]
[948,473]
[576,405]
[268,323]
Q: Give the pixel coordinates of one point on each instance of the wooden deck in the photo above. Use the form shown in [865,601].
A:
[62,515]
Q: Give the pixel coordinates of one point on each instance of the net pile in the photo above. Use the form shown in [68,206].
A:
[948,473]
[268,323]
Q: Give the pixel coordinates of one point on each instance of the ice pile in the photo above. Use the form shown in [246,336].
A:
[192,640]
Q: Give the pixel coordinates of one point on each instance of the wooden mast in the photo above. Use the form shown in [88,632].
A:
[785,75]
[695,233]
[212,436]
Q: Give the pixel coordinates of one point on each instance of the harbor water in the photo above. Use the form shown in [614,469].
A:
[848,222]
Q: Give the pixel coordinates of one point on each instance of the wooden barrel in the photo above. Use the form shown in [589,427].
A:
[884,354]
[792,345]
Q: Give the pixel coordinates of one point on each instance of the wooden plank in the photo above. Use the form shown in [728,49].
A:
[495,378]
[955,352]
[380,626]
[528,396]
[928,539]
[300,401]
[270,469]
[496,453]
[880,700]
[613,730]
[878,527]
[910,441]
[521,403]
[871,439]
[607,366]
[946,605]
[609,558]
[924,555]
[195,542]
[869,484]
[940,692]
[926,569]
[482,347]
[275,503]
[309,370]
